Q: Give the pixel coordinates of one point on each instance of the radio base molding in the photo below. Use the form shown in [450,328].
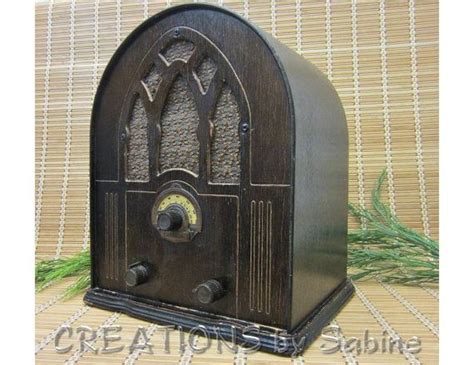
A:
[240,332]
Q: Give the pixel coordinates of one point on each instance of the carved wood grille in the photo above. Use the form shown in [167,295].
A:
[185,112]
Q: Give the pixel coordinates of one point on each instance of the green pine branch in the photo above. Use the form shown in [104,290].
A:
[388,249]
[385,248]
[48,272]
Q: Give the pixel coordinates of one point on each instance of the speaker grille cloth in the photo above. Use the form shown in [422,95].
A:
[225,147]
[179,146]
[137,161]
[152,81]
[205,73]
[178,50]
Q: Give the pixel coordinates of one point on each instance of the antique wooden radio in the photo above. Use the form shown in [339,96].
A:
[219,178]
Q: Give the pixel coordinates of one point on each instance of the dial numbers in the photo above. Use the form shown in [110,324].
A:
[183,202]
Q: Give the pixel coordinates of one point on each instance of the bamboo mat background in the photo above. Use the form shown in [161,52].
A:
[382,57]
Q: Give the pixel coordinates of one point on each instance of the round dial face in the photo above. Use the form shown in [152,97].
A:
[183,202]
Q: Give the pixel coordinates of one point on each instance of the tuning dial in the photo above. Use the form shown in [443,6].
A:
[136,275]
[209,291]
[170,220]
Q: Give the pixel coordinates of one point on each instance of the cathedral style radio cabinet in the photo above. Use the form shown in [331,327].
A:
[219,183]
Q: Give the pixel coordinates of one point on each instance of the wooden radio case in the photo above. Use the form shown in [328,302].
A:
[219,183]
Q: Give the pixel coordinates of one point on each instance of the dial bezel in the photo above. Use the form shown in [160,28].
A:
[190,227]
[177,199]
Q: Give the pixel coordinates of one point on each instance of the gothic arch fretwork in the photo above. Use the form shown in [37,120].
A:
[194,105]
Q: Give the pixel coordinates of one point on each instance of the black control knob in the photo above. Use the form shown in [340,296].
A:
[170,220]
[209,291]
[136,275]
